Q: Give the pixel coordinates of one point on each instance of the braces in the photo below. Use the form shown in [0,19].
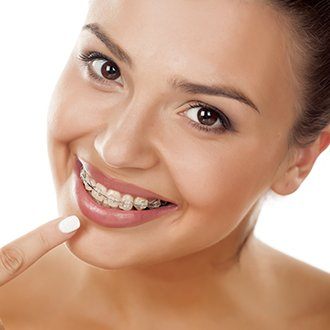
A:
[155,203]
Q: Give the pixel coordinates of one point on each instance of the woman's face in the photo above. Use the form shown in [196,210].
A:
[137,124]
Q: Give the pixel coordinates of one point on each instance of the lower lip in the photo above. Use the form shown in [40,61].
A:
[114,218]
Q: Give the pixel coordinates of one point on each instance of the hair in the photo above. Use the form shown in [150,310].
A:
[308,21]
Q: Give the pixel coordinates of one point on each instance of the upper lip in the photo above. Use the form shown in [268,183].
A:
[118,185]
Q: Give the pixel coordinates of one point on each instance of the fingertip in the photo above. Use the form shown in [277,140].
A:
[69,224]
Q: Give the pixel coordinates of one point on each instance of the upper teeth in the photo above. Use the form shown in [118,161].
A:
[113,198]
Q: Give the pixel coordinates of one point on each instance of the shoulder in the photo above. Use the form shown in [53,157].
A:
[303,290]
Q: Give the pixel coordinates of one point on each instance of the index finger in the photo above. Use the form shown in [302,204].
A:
[20,254]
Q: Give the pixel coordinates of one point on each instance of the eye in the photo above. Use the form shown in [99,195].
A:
[208,118]
[100,67]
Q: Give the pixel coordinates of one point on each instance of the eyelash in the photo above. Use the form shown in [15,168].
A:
[88,57]
[226,124]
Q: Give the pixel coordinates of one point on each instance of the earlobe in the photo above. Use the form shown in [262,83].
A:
[288,183]
[300,166]
[325,138]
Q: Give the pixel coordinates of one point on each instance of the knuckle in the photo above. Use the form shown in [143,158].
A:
[11,259]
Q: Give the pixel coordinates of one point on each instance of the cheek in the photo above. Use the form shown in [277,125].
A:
[75,109]
[71,116]
[223,181]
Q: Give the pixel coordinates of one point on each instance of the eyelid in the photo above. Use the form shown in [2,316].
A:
[218,110]
[227,126]
[96,54]
[89,56]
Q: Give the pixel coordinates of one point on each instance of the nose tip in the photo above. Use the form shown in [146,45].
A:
[122,149]
[129,137]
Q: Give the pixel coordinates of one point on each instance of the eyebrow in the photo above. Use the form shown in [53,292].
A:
[110,44]
[225,91]
[176,83]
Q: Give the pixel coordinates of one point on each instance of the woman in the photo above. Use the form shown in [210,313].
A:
[171,123]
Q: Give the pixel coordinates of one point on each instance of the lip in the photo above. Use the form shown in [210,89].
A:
[120,186]
[114,218]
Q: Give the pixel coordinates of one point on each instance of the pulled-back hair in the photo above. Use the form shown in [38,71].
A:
[309,25]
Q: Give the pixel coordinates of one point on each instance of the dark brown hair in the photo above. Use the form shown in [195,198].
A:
[309,21]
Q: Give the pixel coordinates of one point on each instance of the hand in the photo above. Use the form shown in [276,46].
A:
[20,254]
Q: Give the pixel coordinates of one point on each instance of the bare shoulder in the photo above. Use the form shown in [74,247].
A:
[302,289]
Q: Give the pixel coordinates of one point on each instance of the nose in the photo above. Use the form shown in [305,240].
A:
[127,140]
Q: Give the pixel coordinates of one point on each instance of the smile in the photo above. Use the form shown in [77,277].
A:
[114,199]
[113,203]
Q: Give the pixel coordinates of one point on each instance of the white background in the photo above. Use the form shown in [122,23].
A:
[36,40]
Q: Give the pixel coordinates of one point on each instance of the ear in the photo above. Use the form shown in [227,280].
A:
[299,164]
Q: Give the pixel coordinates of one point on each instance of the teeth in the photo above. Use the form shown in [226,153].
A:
[140,203]
[126,203]
[100,188]
[97,196]
[98,192]
[87,186]
[85,180]
[154,203]
[92,182]
[83,174]
[113,198]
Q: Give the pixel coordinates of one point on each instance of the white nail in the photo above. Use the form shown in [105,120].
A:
[69,224]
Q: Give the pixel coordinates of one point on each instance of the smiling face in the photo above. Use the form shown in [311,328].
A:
[132,121]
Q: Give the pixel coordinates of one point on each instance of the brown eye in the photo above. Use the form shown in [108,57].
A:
[207,117]
[106,69]
[100,67]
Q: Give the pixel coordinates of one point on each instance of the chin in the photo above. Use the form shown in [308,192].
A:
[108,252]
[87,250]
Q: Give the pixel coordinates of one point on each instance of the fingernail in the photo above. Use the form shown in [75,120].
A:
[69,224]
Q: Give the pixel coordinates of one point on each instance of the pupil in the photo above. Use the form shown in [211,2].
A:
[110,71]
[207,117]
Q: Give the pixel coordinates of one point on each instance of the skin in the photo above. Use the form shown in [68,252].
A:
[202,266]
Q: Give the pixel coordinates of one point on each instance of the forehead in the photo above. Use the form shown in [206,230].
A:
[222,41]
